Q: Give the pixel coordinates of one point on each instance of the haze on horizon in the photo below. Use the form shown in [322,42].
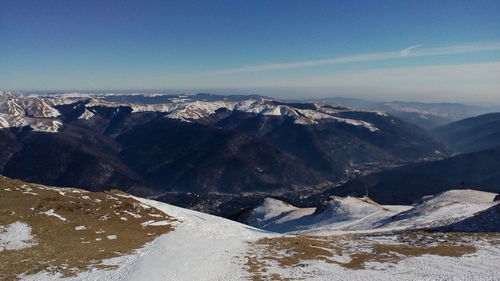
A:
[380,50]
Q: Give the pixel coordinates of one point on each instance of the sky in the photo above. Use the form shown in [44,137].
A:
[390,50]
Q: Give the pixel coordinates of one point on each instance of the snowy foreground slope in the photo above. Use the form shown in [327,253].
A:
[203,247]
[198,246]
[347,214]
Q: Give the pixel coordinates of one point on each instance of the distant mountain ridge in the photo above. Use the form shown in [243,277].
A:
[405,185]
[198,142]
[425,115]
[472,134]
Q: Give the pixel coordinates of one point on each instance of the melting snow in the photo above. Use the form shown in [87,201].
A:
[137,216]
[54,214]
[155,223]
[30,193]
[155,215]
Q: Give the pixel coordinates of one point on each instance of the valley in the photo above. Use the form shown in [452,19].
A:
[225,154]
[300,191]
[222,140]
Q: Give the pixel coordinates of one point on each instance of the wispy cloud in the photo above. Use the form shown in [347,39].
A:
[407,51]
[412,51]
[476,82]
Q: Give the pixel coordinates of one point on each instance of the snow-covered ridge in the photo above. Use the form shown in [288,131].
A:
[39,111]
[342,214]
[443,209]
[197,109]
[302,116]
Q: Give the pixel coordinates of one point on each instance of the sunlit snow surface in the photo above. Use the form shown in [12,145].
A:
[205,247]
[350,214]
[40,113]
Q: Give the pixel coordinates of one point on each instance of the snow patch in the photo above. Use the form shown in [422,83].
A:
[155,223]
[16,236]
[53,214]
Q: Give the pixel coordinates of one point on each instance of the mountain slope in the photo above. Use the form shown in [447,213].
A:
[484,221]
[49,233]
[445,211]
[424,115]
[67,231]
[336,146]
[430,115]
[73,157]
[197,143]
[339,214]
[472,134]
[404,185]
[442,209]
[118,238]
[183,156]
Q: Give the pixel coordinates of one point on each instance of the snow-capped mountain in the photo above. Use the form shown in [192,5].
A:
[19,110]
[432,115]
[36,112]
[425,115]
[150,144]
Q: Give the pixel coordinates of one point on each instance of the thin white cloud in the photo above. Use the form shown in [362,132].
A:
[453,76]
[413,51]
[472,82]
[476,82]
[407,51]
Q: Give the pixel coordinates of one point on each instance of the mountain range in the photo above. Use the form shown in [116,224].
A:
[225,154]
[199,143]
[425,115]
[312,191]
[471,134]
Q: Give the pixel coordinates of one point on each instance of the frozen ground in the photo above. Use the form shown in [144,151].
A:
[483,265]
[202,247]
[205,247]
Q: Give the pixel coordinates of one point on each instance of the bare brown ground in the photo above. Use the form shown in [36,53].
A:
[297,251]
[59,246]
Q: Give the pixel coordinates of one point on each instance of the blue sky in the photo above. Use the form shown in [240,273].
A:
[420,50]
